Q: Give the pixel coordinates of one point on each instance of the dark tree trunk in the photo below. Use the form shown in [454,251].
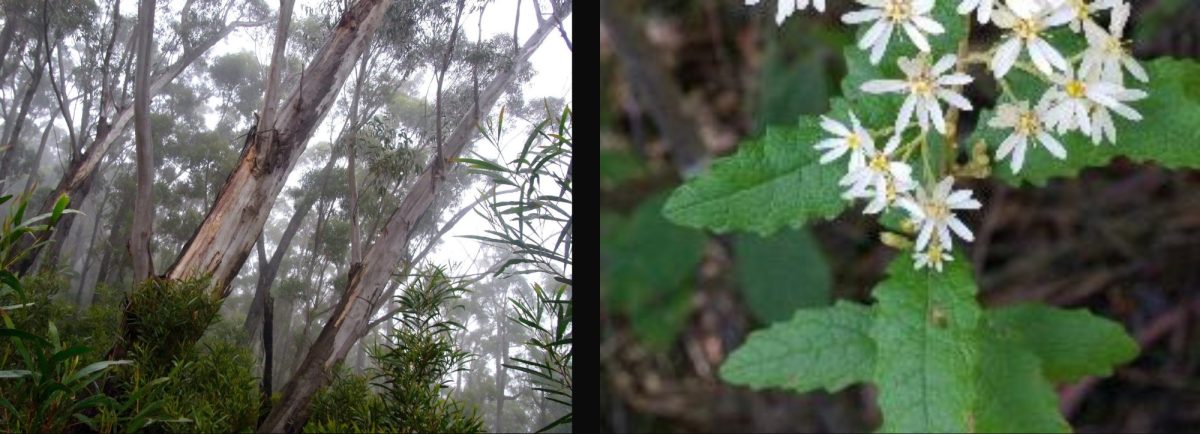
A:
[14,134]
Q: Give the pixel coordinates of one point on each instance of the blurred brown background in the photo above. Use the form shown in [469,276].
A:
[683,81]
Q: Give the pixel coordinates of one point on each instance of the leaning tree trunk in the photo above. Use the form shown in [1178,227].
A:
[78,176]
[224,239]
[367,282]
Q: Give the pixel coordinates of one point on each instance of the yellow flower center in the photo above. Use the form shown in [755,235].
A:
[897,10]
[1081,10]
[937,210]
[1026,29]
[1028,123]
[879,163]
[921,86]
[1114,46]
[853,141]
[935,254]
[1076,89]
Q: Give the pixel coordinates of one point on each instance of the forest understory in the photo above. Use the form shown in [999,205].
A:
[302,216]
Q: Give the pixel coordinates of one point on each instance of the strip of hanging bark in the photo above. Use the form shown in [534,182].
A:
[363,294]
[224,239]
[264,136]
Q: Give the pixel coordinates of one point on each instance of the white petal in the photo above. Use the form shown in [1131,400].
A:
[1051,144]
[1018,159]
[1135,69]
[881,44]
[923,236]
[913,209]
[959,228]
[1127,111]
[834,127]
[1006,56]
[954,79]
[954,99]
[906,111]
[966,6]
[833,154]
[884,86]
[1039,58]
[936,115]
[892,143]
[862,16]
[944,64]
[1007,146]
[928,25]
[958,198]
[944,237]
[1052,54]
[915,35]
[873,33]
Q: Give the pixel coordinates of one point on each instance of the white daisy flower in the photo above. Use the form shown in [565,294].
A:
[785,8]
[924,86]
[852,139]
[983,9]
[1078,13]
[1026,124]
[911,15]
[1071,99]
[881,179]
[934,213]
[1108,52]
[1026,32]
[932,258]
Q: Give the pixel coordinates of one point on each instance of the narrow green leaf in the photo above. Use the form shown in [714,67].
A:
[818,348]
[96,367]
[1071,344]
[59,206]
[927,325]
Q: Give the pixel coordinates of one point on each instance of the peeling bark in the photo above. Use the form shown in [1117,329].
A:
[224,239]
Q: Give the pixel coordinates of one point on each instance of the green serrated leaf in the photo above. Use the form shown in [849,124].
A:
[770,183]
[649,265]
[818,348]
[1166,134]
[782,273]
[928,322]
[1014,397]
[1071,344]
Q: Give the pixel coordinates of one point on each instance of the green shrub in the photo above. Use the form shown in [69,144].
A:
[214,388]
[164,319]
[347,404]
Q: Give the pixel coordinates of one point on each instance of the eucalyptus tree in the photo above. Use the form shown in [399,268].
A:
[195,30]
[368,282]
